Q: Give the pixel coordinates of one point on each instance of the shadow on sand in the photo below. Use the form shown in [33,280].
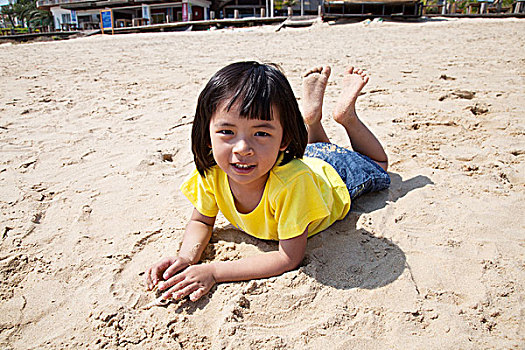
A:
[345,257]
[398,189]
[342,256]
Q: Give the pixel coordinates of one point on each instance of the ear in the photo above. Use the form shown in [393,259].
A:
[284,145]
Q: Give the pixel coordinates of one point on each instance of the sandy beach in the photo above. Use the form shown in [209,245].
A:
[94,143]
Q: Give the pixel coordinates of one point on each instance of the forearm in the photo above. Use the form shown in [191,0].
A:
[258,266]
[195,239]
[290,254]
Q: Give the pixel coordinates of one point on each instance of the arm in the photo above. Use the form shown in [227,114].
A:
[197,280]
[289,256]
[196,237]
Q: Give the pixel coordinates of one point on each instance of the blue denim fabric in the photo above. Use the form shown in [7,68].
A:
[360,173]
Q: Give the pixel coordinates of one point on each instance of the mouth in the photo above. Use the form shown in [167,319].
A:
[243,168]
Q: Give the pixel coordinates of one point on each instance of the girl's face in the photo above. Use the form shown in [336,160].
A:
[245,149]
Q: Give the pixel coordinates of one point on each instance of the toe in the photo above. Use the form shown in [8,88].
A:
[326,71]
[307,73]
[312,71]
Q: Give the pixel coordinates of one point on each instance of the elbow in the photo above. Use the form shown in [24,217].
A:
[291,263]
[383,163]
[295,265]
[291,251]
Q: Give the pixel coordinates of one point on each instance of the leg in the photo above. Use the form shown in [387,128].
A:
[314,85]
[361,138]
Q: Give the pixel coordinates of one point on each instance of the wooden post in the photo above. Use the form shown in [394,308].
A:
[263,12]
[290,12]
[517,9]
[319,11]
[483,8]
[236,14]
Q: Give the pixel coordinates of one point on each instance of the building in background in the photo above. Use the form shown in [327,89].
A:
[85,14]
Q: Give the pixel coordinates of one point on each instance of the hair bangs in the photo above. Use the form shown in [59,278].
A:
[253,94]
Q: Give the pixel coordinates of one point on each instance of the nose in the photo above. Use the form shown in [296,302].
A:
[242,147]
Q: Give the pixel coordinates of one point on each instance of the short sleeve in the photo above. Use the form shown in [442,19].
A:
[297,205]
[200,192]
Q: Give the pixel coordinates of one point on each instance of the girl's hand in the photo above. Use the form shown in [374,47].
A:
[195,281]
[164,269]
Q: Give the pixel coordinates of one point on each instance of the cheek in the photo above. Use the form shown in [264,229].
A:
[217,147]
[213,140]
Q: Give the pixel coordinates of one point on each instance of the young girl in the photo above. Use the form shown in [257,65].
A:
[248,142]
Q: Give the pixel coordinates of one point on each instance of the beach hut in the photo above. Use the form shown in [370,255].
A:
[243,8]
[85,14]
[372,8]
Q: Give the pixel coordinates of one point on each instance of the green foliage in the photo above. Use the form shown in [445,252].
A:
[462,5]
[278,4]
[282,4]
[21,10]
[9,11]
[40,18]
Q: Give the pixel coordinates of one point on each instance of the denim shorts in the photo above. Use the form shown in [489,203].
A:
[360,173]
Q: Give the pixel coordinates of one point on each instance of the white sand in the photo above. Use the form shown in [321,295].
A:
[94,142]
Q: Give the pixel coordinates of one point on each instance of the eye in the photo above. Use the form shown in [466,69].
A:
[261,133]
[225,132]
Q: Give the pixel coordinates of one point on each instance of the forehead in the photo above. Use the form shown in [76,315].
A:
[233,113]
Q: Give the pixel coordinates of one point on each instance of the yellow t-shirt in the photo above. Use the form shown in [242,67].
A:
[300,194]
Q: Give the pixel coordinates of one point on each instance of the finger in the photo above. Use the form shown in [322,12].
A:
[196,295]
[173,269]
[171,281]
[158,268]
[185,291]
[176,289]
[154,272]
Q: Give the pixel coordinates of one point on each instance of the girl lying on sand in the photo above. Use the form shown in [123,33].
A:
[271,175]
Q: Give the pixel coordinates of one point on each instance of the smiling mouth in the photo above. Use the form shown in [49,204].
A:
[243,166]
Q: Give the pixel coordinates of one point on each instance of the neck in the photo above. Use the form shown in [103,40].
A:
[247,197]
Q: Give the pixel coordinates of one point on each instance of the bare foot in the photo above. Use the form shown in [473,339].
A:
[314,85]
[353,83]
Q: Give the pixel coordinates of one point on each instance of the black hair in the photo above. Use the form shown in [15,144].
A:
[258,90]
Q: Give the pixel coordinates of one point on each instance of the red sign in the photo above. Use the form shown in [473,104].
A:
[185,12]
